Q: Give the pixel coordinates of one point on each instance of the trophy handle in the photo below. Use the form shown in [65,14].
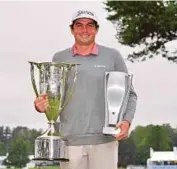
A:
[33,79]
[71,90]
[125,102]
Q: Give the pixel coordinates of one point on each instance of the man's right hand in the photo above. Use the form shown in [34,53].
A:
[41,103]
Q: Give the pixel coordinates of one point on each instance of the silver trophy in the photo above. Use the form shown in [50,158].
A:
[117,89]
[57,80]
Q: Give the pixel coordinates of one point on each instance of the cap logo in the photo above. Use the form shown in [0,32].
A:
[84,12]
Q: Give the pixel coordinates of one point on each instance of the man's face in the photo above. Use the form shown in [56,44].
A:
[84,31]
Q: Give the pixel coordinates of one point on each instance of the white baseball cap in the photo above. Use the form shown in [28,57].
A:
[84,14]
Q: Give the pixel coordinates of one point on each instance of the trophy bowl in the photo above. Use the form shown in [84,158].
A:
[57,81]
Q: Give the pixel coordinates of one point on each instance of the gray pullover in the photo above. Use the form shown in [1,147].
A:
[83,118]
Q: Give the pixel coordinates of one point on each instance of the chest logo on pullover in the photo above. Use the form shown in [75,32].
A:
[100,66]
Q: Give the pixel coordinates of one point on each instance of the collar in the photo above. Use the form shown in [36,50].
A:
[94,50]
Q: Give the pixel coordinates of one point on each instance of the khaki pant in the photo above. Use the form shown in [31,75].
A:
[101,156]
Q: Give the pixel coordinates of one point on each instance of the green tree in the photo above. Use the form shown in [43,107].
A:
[127,150]
[163,143]
[1,133]
[2,148]
[147,24]
[154,136]
[18,155]
[8,136]
[140,136]
[29,135]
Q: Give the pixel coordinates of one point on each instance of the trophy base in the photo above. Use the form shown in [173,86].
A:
[50,148]
[111,130]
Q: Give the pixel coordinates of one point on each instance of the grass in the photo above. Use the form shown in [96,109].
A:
[47,167]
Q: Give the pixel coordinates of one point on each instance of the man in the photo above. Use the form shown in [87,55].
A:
[82,120]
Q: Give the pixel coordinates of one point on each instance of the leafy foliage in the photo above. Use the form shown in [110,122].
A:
[18,155]
[18,143]
[8,136]
[136,149]
[127,151]
[133,150]
[147,24]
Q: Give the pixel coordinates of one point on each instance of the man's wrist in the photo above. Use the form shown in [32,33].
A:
[128,122]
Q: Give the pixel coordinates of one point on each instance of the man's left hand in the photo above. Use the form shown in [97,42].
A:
[124,129]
